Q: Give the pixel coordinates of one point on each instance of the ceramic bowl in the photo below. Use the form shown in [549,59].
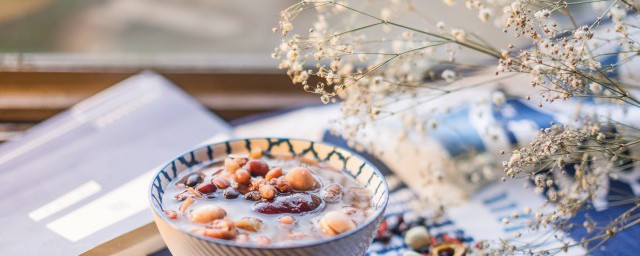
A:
[354,242]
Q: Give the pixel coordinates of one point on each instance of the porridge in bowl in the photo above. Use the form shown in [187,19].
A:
[267,199]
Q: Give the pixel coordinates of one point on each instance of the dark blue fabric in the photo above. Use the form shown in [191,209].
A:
[163,252]
[624,243]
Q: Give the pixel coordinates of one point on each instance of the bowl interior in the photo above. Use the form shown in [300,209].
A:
[350,163]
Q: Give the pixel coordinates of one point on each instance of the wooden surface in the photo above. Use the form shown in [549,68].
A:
[28,97]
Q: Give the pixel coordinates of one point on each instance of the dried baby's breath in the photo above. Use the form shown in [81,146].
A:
[363,55]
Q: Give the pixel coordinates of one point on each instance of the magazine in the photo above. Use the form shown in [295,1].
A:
[80,178]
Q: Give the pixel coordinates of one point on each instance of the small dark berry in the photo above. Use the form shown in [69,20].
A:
[384,237]
[231,194]
[193,180]
[403,227]
[392,223]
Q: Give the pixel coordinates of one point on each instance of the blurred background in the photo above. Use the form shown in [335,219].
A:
[54,53]
[144,33]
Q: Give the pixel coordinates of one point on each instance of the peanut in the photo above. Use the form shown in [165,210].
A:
[233,164]
[268,191]
[332,193]
[187,202]
[283,185]
[194,192]
[220,182]
[250,224]
[256,183]
[222,229]
[273,173]
[253,196]
[287,220]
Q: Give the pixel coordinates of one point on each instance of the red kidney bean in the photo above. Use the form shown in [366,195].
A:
[206,188]
[242,177]
[257,167]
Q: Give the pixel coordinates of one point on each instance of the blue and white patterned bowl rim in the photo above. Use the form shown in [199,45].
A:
[380,204]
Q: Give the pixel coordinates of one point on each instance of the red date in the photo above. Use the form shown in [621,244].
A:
[294,203]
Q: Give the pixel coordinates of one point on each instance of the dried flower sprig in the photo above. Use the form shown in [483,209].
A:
[380,67]
[343,58]
[572,167]
[375,76]
[566,62]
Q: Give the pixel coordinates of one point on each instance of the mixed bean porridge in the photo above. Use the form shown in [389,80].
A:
[266,199]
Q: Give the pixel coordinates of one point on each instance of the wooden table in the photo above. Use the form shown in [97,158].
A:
[30,96]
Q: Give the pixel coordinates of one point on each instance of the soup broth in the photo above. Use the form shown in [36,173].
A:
[266,199]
